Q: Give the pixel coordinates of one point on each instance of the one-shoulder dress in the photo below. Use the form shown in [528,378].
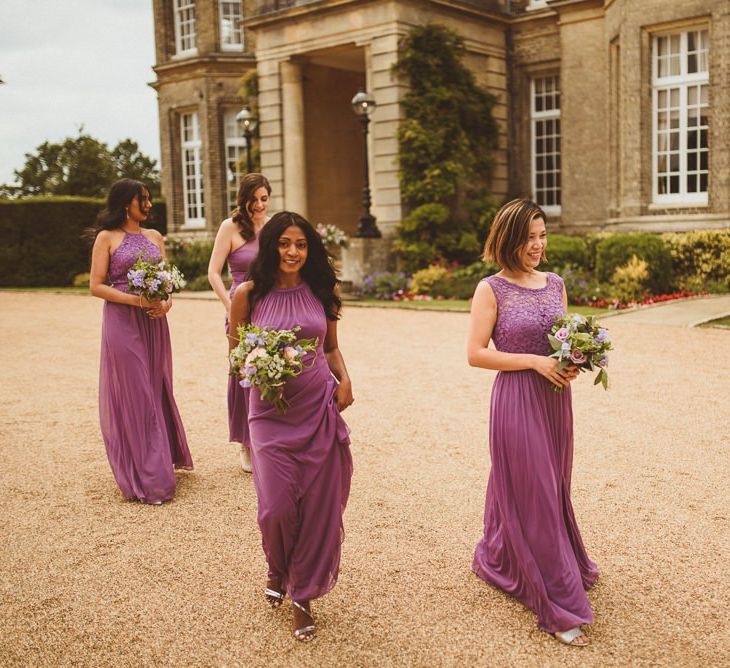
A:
[301,460]
[531,547]
[142,430]
[239,263]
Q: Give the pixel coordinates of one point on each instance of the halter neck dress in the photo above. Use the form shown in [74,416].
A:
[142,430]
[532,548]
[301,460]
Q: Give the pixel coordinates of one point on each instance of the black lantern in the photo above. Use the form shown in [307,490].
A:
[363,104]
[248,121]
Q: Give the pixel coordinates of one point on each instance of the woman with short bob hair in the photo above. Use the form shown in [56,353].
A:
[301,459]
[531,548]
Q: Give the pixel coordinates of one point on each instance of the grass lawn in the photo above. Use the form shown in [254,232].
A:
[720,322]
[462,305]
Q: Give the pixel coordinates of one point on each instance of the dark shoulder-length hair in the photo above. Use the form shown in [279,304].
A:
[510,232]
[317,271]
[241,215]
[113,215]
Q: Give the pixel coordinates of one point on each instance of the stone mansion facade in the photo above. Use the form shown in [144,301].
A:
[613,114]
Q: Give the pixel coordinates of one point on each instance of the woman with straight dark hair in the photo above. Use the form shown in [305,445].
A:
[237,243]
[531,548]
[301,459]
[144,436]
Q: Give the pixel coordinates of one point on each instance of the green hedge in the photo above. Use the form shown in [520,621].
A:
[563,250]
[615,251]
[700,259]
[41,238]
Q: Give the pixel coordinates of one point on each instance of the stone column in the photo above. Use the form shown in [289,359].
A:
[295,166]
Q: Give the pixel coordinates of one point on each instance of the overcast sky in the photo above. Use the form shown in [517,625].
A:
[67,63]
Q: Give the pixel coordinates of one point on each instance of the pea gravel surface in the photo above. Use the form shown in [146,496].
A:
[89,579]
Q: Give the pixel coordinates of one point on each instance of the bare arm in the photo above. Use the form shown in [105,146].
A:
[221,251]
[336,363]
[240,312]
[481,326]
[100,256]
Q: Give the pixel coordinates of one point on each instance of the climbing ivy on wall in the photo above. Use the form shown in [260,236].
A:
[444,148]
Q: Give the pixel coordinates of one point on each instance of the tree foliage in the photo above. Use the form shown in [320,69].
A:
[81,166]
[445,145]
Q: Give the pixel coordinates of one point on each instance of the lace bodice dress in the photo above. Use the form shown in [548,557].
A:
[532,547]
[142,430]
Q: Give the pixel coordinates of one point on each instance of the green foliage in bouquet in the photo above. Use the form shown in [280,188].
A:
[580,341]
[267,358]
[445,148]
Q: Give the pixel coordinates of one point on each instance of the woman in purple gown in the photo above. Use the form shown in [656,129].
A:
[531,548]
[301,459]
[144,436]
[237,242]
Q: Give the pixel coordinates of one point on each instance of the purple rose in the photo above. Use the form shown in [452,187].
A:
[562,334]
[602,335]
[578,357]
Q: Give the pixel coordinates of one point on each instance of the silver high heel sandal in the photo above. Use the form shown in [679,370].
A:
[306,633]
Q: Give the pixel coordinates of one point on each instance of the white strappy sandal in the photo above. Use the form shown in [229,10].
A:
[306,633]
[568,637]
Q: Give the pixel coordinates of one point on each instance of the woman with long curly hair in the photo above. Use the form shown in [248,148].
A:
[237,243]
[144,436]
[301,459]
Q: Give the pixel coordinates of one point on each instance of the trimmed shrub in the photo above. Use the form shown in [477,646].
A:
[628,283]
[42,239]
[191,258]
[616,250]
[701,260]
[422,281]
[563,250]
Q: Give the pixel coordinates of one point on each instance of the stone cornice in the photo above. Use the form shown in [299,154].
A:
[329,6]
[217,61]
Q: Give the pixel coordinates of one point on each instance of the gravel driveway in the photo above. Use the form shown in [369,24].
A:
[89,579]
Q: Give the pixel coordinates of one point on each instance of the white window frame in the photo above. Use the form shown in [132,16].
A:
[223,16]
[681,82]
[233,151]
[535,117]
[184,15]
[191,147]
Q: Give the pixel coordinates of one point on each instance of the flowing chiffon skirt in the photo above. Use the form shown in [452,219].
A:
[142,430]
[532,548]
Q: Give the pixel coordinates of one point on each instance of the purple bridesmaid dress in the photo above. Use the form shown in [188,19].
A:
[144,436]
[301,460]
[239,263]
[531,547]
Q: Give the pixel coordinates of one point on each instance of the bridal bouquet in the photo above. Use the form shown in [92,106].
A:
[267,358]
[154,279]
[578,340]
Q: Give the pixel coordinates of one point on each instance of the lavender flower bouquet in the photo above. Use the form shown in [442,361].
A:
[154,279]
[267,358]
[578,340]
